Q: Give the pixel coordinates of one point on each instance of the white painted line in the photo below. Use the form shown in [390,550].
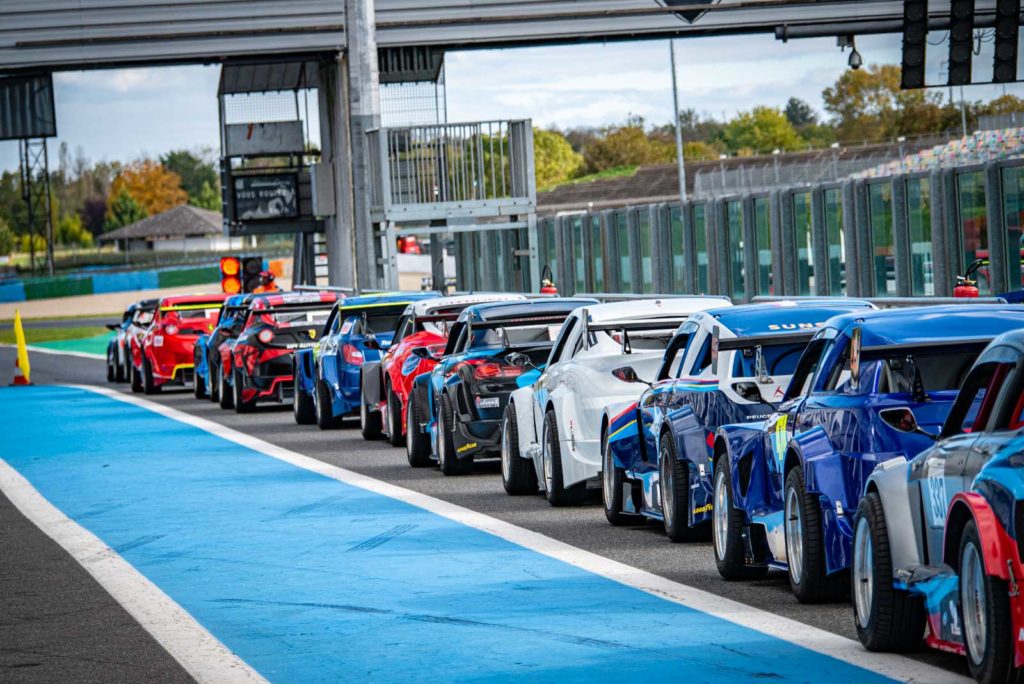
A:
[792,631]
[201,654]
[45,350]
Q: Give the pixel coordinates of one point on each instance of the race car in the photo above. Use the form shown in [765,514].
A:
[328,375]
[489,349]
[127,342]
[552,429]
[786,488]
[722,366]
[166,356]
[939,539]
[386,384]
[115,348]
[207,347]
[259,360]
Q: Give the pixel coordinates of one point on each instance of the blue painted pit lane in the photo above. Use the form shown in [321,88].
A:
[308,579]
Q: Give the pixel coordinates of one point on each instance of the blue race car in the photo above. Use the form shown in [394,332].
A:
[491,350]
[786,488]
[328,378]
[232,315]
[722,366]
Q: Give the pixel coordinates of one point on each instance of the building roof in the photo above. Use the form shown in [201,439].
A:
[180,222]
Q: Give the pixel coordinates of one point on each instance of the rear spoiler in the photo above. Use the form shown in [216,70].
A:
[626,328]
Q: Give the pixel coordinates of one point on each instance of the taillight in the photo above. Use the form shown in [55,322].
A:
[352,355]
[266,336]
[171,329]
[488,371]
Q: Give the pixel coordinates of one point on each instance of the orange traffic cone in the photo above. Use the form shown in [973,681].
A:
[22,369]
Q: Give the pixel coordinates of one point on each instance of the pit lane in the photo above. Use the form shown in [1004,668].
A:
[585,527]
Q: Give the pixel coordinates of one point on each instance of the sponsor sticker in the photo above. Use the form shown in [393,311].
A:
[466,447]
[706,508]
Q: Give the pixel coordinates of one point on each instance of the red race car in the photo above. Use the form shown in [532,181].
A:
[164,356]
[387,384]
[260,359]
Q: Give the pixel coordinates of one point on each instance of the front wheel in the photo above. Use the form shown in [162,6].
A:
[555,490]
[985,614]
[805,548]
[887,619]
[136,379]
[225,396]
[613,482]
[417,445]
[395,437]
[727,530]
[518,476]
[674,481]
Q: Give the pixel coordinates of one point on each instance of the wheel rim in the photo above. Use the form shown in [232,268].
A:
[973,602]
[364,415]
[794,536]
[409,427]
[441,441]
[549,476]
[608,476]
[506,451]
[721,513]
[863,575]
[668,494]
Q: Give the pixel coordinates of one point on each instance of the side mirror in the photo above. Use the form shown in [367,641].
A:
[903,419]
[113,326]
[423,353]
[628,374]
[518,359]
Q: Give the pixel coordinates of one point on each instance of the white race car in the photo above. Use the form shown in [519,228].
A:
[551,430]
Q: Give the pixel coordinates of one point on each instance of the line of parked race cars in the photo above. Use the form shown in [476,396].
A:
[872,453]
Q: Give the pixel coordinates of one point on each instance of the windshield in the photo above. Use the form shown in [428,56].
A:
[144,317]
[519,336]
[778,360]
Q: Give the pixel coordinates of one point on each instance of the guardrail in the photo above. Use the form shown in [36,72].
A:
[893,302]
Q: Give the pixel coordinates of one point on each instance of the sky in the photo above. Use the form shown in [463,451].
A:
[126,114]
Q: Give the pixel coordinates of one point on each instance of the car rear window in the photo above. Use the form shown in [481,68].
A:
[778,359]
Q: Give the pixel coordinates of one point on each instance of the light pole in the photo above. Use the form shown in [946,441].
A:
[775,160]
[680,163]
[835,160]
[902,139]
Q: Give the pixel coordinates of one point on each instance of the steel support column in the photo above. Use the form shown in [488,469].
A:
[334,139]
[901,236]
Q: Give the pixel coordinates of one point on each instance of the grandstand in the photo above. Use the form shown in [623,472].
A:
[977,148]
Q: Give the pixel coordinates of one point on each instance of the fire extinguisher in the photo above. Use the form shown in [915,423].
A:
[547,282]
[966,286]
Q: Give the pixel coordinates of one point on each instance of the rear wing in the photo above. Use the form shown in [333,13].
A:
[758,342]
[627,327]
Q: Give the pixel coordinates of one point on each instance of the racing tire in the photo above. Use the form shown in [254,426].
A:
[395,437]
[198,381]
[887,619]
[110,365]
[136,379]
[225,395]
[805,543]
[120,372]
[148,385]
[674,482]
[555,491]
[984,615]
[727,530]
[213,372]
[241,406]
[371,423]
[325,418]
[303,406]
[417,444]
[518,475]
[447,459]
[613,481]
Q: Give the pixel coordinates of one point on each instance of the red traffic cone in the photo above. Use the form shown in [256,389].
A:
[19,376]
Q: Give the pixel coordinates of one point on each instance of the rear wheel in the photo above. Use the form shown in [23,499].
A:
[198,381]
[674,481]
[225,395]
[417,445]
[727,529]
[450,463]
[805,548]
[555,490]
[887,618]
[303,405]
[517,473]
[613,482]
[395,437]
[985,615]
[241,405]
[212,372]
[370,422]
[149,386]
[120,369]
[135,378]
[325,418]
[111,360]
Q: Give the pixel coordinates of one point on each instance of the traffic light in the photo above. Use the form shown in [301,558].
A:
[251,267]
[230,275]
[915,39]
[1004,70]
[961,41]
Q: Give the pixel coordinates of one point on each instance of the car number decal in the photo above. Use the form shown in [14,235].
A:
[936,479]
[779,439]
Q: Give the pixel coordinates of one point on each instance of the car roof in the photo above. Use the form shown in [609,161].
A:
[532,307]
[771,318]
[148,304]
[617,312]
[185,300]
[386,299]
[425,307]
[920,324]
[1012,342]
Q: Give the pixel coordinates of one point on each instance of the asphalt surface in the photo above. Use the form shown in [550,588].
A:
[645,547]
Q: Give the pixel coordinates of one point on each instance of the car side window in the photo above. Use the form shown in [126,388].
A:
[401,330]
[974,402]
[563,338]
[1010,413]
[806,367]
[700,360]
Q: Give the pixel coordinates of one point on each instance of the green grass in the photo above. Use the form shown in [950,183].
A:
[617,172]
[37,335]
[114,317]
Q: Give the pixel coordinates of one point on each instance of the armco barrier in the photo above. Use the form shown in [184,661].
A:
[100,283]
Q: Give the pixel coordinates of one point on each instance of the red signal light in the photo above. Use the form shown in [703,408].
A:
[230,266]
[231,285]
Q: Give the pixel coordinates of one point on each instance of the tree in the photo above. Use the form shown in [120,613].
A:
[762,129]
[123,210]
[70,231]
[800,113]
[154,188]
[7,238]
[208,198]
[554,159]
[699,151]
[94,213]
[195,172]
[623,146]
